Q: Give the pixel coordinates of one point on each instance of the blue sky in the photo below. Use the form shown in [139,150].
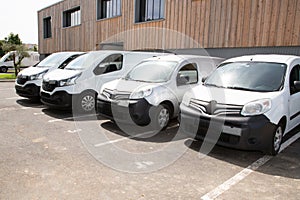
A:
[20,17]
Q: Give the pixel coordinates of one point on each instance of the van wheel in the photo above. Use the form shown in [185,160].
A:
[3,69]
[86,102]
[277,140]
[162,116]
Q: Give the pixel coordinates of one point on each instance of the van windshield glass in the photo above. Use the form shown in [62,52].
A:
[249,76]
[83,62]
[152,71]
[5,58]
[53,60]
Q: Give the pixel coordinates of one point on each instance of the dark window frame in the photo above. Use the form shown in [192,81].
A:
[115,9]
[294,76]
[149,10]
[47,27]
[67,17]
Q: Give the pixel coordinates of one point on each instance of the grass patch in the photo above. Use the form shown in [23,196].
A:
[7,76]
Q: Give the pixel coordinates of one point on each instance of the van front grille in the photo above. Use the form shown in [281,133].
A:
[215,108]
[49,86]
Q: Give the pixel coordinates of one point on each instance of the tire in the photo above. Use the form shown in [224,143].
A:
[86,102]
[3,69]
[162,117]
[276,140]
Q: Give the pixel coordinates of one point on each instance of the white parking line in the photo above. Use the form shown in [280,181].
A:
[74,131]
[6,89]
[40,113]
[70,118]
[121,139]
[245,172]
[11,98]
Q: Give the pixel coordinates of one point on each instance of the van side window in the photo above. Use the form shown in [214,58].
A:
[109,64]
[294,76]
[188,74]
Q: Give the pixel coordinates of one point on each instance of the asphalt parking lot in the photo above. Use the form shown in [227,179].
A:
[48,154]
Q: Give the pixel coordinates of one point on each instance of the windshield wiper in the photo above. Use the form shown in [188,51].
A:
[214,85]
[240,88]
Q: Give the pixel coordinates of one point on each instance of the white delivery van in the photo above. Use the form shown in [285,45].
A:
[29,80]
[6,61]
[253,101]
[78,84]
[156,85]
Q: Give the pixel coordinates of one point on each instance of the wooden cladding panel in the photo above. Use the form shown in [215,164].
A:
[187,24]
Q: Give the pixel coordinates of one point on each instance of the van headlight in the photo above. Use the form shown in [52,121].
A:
[69,81]
[37,76]
[139,94]
[257,107]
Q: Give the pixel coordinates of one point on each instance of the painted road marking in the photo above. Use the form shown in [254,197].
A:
[74,131]
[6,89]
[245,172]
[11,98]
[70,118]
[40,113]
[121,139]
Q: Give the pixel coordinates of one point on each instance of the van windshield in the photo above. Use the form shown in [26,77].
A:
[84,61]
[249,76]
[53,60]
[152,71]
[5,58]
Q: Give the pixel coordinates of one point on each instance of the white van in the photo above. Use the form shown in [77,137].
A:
[29,80]
[84,76]
[6,61]
[156,85]
[253,101]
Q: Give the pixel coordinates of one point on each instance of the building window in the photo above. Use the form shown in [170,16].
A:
[47,27]
[108,8]
[149,10]
[72,17]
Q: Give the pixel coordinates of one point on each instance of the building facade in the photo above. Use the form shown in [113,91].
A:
[224,28]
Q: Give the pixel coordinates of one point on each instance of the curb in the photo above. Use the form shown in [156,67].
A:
[7,80]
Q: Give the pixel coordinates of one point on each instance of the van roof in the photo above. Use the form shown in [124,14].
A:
[126,52]
[179,58]
[265,58]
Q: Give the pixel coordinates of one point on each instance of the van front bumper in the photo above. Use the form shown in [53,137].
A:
[137,111]
[30,91]
[60,100]
[247,133]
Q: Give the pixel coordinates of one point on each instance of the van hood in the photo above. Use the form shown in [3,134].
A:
[32,71]
[61,74]
[228,96]
[128,85]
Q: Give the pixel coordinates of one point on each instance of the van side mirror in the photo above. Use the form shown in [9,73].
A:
[99,70]
[297,85]
[182,79]
[204,79]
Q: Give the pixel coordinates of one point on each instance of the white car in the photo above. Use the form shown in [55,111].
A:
[78,84]
[250,101]
[156,85]
[29,80]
